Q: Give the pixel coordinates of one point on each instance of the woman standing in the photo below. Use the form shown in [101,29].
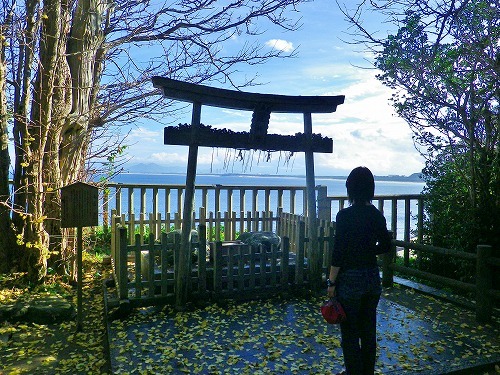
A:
[361,234]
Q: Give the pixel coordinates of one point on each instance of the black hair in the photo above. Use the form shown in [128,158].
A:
[360,185]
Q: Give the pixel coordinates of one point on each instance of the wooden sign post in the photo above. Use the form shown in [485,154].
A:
[79,208]
[262,105]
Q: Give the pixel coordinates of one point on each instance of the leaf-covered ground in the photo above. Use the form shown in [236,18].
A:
[30,348]
[289,337]
[417,334]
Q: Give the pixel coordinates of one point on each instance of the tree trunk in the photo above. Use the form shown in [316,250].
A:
[36,235]
[7,239]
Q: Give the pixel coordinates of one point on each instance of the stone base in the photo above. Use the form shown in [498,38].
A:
[43,309]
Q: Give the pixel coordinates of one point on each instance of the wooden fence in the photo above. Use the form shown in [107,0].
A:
[485,269]
[144,265]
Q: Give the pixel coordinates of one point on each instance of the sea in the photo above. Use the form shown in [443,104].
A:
[336,185]
[396,185]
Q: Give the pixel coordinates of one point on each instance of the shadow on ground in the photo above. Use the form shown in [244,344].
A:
[417,334]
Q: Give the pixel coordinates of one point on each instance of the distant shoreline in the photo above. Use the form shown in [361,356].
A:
[415,177]
[155,169]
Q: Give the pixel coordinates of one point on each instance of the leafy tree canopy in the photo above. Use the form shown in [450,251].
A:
[443,63]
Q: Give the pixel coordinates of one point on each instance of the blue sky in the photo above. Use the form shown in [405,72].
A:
[364,129]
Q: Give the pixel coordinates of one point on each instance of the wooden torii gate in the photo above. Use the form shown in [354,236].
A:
[261,105]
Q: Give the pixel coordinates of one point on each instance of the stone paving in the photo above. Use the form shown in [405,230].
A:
[417,334]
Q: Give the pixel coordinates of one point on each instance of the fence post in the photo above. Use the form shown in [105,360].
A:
[387,262]
[483,284]
[122,264]
[217,257]
[202,259]
[324,205]
[285,243]
[115,220]
[299,256]
[105,210]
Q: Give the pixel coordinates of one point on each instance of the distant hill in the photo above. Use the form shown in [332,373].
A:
[153,168]
[414,177]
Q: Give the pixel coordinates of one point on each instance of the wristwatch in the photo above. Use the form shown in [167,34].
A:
[329,283]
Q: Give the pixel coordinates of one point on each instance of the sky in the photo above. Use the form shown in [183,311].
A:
[365,130]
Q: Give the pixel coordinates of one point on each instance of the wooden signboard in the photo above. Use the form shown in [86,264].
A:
[79,205]
[79,208]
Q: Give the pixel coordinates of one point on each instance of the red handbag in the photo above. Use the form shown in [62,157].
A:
[332,311]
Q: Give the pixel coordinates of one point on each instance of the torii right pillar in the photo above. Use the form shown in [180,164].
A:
[314,256]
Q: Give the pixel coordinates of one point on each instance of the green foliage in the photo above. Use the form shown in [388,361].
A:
[98,241]
[457,217]
[443,68]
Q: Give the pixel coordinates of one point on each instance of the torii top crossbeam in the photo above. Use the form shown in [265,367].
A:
[262,106]
[232,99]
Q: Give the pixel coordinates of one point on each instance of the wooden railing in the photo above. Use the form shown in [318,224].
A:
[404,213]
[485,269]
[168,199]
[405,209]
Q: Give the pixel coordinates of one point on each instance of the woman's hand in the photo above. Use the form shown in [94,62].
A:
[331,291]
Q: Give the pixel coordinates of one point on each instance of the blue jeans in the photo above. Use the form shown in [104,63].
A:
[359,293]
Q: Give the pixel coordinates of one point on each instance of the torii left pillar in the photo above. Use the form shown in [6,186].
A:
[182,278]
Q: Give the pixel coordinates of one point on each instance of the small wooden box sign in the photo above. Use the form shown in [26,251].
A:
[79,205]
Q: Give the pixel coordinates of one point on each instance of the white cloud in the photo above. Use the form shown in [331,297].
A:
[143,135]
[280,45]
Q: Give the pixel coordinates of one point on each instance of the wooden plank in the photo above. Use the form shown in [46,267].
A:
[271,142]
[202,263]
[224,98]
[249,221]
[168,205]
[164,265]
[436,250]
[218,219]
[131,228]
[122,264]
[264,273]
[131,201]
[253,256]
[227,226]
[242,222]
[217,198]
[216,250]
[143,200]
[151,270]
[394,215]
[299,258]
[273,261]
[142,220]
[241,267]
[242,200]
[234,220]
[118,200]
[230,266]
[155,201]
[285,243]
[435,278]
[138,267]
[158,225]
